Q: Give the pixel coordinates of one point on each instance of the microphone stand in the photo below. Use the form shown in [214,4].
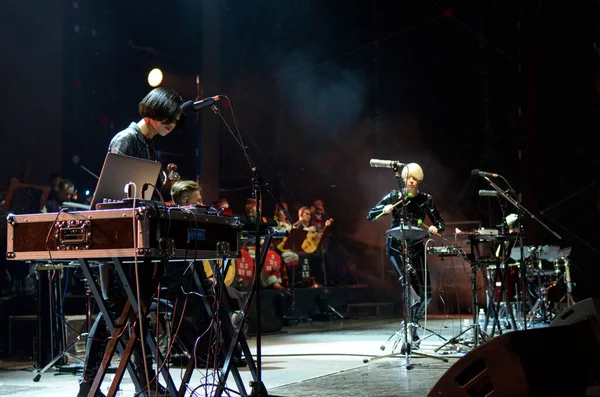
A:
[258,387]
[520,212]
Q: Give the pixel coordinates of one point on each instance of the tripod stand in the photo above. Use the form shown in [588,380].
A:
[52,293]
[406,336]
[479,336]
[258,387]
[65,352]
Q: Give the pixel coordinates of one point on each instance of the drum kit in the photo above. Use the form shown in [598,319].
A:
[548,281]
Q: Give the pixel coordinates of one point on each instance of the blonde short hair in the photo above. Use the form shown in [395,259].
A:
[414,170]
[181,188]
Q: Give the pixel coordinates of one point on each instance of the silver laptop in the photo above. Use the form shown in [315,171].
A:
[118,170]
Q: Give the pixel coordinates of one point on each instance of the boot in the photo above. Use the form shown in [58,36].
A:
[413,333]
[84,389]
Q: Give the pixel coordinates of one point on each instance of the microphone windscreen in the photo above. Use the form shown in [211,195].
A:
[187,107]
[475,172]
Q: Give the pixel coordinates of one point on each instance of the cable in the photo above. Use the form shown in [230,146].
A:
[425,277]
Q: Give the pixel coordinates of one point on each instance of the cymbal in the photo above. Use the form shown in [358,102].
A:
[515,253]
[411,233]
[565,252]
[549,252]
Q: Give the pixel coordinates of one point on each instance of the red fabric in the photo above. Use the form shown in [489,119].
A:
[273,264]
[245,265]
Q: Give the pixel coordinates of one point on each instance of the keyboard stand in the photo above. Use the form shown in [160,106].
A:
[117,339]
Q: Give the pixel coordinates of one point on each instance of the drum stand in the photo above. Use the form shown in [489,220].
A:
[541,304]
[569,294]
[502,271]
[404,335]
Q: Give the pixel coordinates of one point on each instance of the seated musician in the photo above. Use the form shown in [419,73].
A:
[319,216]
[64,192]
[289,259]
[270,276]
[303,222]
[309,262]
[282,221]
[186,192]
[160,111]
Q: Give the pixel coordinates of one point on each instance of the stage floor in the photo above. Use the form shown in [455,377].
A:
[307,359]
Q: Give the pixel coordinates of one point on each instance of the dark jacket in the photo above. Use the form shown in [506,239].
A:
[131,142]
[422,207]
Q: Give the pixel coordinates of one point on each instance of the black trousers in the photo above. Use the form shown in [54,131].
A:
[415,268]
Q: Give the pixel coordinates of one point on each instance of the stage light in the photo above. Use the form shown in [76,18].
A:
[155,77]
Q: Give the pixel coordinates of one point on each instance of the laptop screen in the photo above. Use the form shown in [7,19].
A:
[118,170]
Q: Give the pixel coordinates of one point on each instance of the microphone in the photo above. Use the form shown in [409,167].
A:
[483,173]
[384,163]
[191,106]
[488,193]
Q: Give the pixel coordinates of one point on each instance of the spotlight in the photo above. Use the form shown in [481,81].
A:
[155,77]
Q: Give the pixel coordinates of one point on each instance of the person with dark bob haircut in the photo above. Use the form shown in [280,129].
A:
[160,111]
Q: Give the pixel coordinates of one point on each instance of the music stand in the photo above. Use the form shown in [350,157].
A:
[293,243]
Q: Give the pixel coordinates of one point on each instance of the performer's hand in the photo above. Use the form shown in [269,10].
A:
[388,208]
[432,229]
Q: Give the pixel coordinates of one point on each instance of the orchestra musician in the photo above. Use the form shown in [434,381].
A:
[418,206]
[63,191]
[304,216]
[160,111]
[319,216]
[187,193]
[310,263]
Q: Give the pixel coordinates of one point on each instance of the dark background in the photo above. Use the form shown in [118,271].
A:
[318,89]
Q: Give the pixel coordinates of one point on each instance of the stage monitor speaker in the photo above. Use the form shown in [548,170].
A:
[582,310]
[552,361]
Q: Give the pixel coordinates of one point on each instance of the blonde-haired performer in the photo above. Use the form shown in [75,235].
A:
[418,206]
[186,192]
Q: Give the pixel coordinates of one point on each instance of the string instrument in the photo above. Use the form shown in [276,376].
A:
[311,243]
[280,245]
[229,276]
